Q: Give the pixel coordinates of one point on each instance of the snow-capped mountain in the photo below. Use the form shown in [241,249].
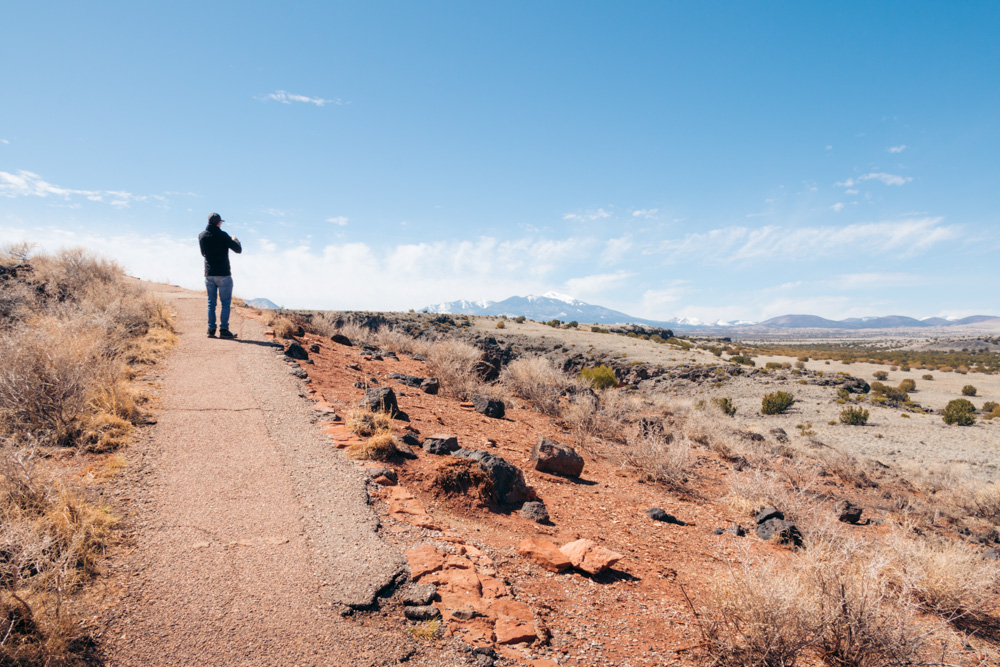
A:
[460,307]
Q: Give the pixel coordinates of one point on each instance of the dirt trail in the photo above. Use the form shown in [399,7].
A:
[251,534]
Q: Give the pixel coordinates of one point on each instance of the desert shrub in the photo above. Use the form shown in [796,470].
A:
[743,360]
[772,365]
[776,403]
[927,376]
[880,375]
[601,377]
[960,412]
[908,385]
[454,363]
[968,390]
[990,406]
[800,365]
[365,422]
[658,456]
[854,416]
[538,381]
[500,324]
[894,394]
[283,327]
[520,319]
[725,404]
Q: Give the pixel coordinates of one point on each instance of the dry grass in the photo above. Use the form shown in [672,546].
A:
[378,447]
[658,456]
[282,326]
[538,381]
[365,422]
[453,362]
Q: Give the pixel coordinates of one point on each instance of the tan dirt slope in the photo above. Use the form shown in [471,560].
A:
[251,536]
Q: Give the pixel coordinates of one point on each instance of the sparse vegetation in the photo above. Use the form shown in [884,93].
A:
[880,375]
[968,390]
[854,416]
[601,377]
[725,404]
[908,385]
[776,403]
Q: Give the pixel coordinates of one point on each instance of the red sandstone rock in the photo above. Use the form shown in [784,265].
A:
[589,556]
[544,553]
[424,560]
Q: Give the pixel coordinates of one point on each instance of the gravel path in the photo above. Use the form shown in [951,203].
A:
[252,536]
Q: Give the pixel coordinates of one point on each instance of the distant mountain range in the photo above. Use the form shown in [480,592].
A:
[555,306]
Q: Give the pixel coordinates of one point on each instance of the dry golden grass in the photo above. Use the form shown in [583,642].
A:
[365,422]
[453,362]
[378,447]
[282,326]
[658,456]
[538,381]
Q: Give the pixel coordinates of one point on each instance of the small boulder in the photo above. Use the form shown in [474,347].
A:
[544,554]
[657,514]
[410,439]
[508,480]
[341,339]
[424,613]
[408,380]
[430,386]
[769,513]
[381,399]
[848,512]
[992,554]
[314,348]
[296,351]
[535,511]
[780,532]
[589,556]
[440,444]
[556,458]
[491,407]
[419,595]
[780,435]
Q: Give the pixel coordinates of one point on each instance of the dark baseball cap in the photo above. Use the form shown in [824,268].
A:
[215,219]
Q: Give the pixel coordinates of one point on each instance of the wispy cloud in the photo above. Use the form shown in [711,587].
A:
[339,220]
[4,142]
[645,212]
[888,179]
[899,237]
[838,207]
[615,249]
[287,98]
[588,216]
[898,149]
[27,184]
[588,287]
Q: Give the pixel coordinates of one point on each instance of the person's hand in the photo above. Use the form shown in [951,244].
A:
[236,239]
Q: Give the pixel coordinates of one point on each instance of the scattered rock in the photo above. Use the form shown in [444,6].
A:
[780,532]
[750,436]
[360,385]
[992,554]
[737,530]
[424,613]
[354,367]
[768,513]
[430,385]
[515,622]
[408,380]
[420,357]
[780,435]
[314,348]
[300,373]
[848,512]
[388,473]
[419,595]
[440,444]
[410,439]
[423,560]
[589,556]
[296,351]
[341,339]
[491,407]
[553,457]
[535,511]
[382,399]
[508,481]
[544,553]
[657,514]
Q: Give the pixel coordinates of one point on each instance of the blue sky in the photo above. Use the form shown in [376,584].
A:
[701,159]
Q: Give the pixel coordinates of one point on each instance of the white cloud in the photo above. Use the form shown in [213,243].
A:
[838,207]
[899,237]
[898,149]
[829,147]
[287,98]
[851,191]
[615,249]
[588,216]
[888,179]
[338,220]
[27,184]
[4,142]
[645,212]
[591,287]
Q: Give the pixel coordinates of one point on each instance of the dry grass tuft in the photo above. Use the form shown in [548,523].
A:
[453,362]
[364,422]
[283,327]
[378,447]
[538,381]
[658,456]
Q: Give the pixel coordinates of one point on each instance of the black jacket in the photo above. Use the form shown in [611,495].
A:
[215,246]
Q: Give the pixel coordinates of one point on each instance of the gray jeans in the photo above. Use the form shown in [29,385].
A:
[221,288]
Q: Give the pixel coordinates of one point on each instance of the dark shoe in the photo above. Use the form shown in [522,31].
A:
[211,333]
[226,333]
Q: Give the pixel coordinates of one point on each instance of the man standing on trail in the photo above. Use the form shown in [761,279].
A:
[215,247]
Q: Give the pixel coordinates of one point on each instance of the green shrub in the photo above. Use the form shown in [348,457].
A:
[926,376]
[601,377]
[960,412]
[908,385]
[572,325]
[520,319]
[854,416]
[990,406]
[776,403]
[726,405]
[772,365]
[500,324]
[741,359]
[880,375]
[968,390]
